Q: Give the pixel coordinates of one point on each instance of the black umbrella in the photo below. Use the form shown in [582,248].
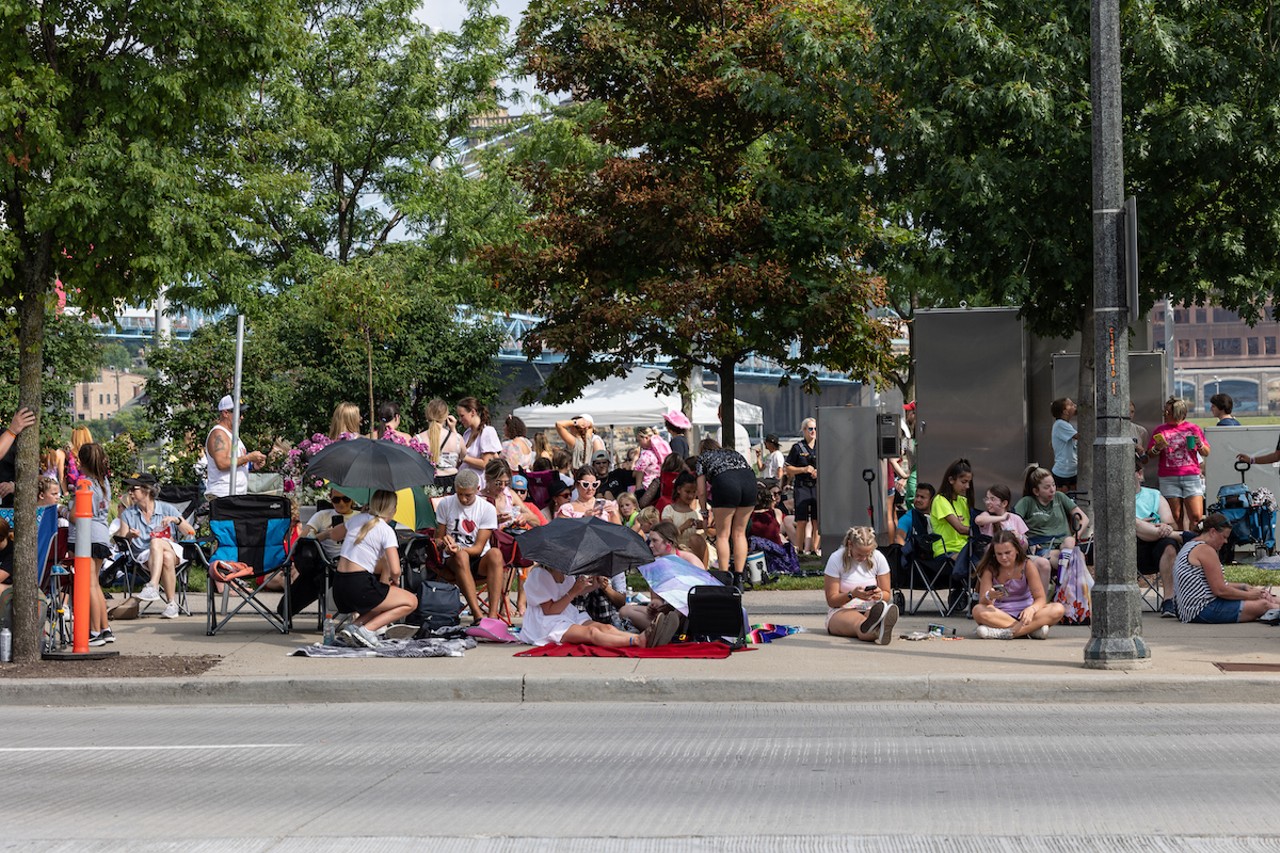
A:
[365,463]
[585,546]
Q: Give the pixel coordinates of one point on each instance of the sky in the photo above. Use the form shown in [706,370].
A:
[448,15]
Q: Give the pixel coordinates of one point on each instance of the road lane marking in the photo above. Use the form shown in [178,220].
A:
[193,746]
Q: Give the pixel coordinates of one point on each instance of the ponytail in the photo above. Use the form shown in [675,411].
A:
[382,507]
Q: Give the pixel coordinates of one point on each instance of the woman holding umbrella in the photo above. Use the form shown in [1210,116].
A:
[368,571]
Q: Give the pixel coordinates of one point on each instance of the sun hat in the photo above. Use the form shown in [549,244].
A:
[676,419]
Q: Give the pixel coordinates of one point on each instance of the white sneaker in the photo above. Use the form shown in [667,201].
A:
[149,593]
[170,611]
[885,635]
[986,632]
[1041,633]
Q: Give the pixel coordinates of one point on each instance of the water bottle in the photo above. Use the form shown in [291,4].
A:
[329,629]
[6,646]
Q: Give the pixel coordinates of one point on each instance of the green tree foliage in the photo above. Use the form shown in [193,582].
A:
[349,136]
[70,349]
[736,220]
[103,179]
[987,168]
[295,372]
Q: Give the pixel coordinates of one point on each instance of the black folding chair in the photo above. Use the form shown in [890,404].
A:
[253,534]
[715,613]
[926,573]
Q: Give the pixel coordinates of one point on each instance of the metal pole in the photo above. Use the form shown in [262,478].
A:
[235,412]
[1169,345]
[1116,635]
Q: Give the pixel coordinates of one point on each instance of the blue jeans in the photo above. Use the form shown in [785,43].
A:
[1220,611]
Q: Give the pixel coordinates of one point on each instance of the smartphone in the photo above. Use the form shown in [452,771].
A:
[998,588]
[871,588]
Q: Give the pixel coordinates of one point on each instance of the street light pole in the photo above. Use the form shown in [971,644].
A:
[1116,634]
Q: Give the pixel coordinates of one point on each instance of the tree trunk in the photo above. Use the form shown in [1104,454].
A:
[690,386]
[368,357]
[1086,401]
[727,398]
[34,271]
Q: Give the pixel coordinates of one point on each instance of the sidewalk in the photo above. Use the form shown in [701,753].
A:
[811,666]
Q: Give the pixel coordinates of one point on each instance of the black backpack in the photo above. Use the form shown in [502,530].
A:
[439,606]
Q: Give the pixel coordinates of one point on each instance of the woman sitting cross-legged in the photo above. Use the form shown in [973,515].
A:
[149,525]
[552,618]
[1011,600]
[1202,593]
[857,590]
[368,572]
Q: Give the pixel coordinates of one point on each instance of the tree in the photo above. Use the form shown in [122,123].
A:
[296,372]
[987,163]
[353,131]
[103,179]
[70,347]
[735,222]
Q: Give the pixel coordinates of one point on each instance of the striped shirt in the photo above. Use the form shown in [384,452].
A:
[1190,588]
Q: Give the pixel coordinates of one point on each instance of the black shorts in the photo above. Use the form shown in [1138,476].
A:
[1149,554]
[806,501]
[358,592]
[736,489]
[1064,483]
[445,482]
[98,551]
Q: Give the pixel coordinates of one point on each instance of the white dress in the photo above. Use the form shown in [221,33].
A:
[540,628]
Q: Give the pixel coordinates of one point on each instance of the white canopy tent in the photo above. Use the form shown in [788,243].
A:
[624,401]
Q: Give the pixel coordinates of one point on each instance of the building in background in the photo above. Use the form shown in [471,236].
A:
[1214,351]
[109,393]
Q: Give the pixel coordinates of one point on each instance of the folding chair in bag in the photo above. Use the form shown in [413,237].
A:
[253,533]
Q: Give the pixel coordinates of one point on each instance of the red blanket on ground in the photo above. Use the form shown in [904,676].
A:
[671,650]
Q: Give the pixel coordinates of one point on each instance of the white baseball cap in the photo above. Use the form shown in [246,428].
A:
[226,404]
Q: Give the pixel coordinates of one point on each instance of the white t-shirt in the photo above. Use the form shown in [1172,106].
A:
[774,465]
[486,441]
[321,522]
[540,628]
[218,482]
[859,576]
[463,523]
[366,553]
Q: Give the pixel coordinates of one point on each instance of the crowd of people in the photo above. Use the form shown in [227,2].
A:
[712,508]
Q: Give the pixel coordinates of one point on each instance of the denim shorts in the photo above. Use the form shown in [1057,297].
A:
[1191,486]
[1219,611]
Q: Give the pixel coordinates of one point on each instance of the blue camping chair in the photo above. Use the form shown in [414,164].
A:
[56,606]
[253,534]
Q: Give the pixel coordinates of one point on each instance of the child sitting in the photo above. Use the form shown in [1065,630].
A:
[552,618]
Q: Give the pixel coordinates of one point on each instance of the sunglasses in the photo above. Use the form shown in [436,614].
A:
[521,491]
[586,485]
[339,499]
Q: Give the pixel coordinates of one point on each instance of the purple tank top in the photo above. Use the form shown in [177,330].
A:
[1017,595]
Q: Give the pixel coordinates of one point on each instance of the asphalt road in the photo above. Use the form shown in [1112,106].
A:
[602,777]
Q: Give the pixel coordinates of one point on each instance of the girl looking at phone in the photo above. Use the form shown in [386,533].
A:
[859,599]
[1011,600]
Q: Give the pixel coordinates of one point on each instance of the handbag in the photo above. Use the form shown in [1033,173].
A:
[1075,589]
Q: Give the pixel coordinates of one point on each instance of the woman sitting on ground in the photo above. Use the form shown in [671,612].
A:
[859,598]
[587,504]
[1049,515]
[1011,600]
[765,532]
[552,618]
[1202,593]
[151,527]
[368,573]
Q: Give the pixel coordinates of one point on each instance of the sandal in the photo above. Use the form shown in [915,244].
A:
[662,631]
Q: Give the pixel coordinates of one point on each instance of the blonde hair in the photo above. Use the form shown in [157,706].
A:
[629,498]
[346,418]
[437,410]
[80,436]
[863,536]
[382,506]
[648,515]
[1177,407]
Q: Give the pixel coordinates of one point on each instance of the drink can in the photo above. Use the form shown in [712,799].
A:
[937,630]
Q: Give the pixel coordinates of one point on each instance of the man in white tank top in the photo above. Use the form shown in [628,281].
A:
[217,455]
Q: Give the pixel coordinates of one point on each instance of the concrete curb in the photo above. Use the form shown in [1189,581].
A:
[1099,687]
